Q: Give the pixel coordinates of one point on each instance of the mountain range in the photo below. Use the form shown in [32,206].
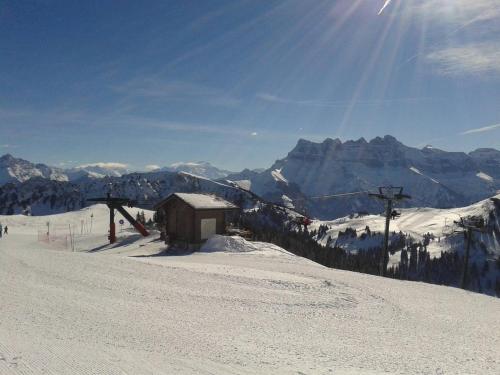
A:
[15,170]
[310,171]
[433,177]
[200,168]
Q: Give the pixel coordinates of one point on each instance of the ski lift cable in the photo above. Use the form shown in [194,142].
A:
[333,195]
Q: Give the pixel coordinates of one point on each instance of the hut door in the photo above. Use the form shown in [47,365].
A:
[208,228]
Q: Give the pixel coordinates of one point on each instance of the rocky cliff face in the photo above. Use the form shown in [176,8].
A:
[433,177]
[488,160]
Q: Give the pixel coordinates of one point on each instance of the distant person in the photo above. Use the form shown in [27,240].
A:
[6,230]
[1,230]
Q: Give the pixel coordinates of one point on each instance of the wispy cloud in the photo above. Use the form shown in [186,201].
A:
[468,59]
[106,165]
[481,130]
[8,146]
[160,89]
[460,12]
[151,167]
[183,127]
[335,103]
[469,44]
[309,102]
[386,4]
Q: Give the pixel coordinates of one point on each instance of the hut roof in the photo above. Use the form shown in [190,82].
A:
[201,201]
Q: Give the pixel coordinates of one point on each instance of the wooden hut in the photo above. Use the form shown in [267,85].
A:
[193,218]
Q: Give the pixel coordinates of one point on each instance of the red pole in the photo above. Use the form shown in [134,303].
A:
[112,229]
[112,233]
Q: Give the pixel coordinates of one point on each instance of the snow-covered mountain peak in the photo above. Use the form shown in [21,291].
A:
[386,140]
[485,153]
[200,168]
[97,170]
[434,177]
[488,161]
[14,169]
[7,158]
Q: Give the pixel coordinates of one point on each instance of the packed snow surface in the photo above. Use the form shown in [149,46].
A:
[230,309]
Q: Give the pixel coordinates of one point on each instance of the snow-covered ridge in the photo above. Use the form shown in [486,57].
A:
[415,221]
[39,196]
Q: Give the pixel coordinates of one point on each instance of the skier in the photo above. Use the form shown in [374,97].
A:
[6,230]
[0,230]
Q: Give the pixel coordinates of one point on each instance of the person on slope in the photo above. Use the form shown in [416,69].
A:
[6,230]
[0,230]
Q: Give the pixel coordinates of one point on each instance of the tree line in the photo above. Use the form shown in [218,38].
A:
[273,224]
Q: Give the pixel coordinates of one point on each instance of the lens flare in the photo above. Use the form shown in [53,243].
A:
[387,2]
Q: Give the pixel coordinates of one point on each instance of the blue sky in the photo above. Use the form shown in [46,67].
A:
[237,83]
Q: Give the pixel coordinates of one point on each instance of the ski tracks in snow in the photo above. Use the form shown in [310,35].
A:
[76,313]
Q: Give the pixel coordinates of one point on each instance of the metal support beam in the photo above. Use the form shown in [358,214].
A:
[388,194]
[465,271]
[384,257]
[469,225]
[140,228]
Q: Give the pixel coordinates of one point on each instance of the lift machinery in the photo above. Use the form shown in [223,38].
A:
[118,205]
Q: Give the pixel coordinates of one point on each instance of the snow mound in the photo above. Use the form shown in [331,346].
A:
[237,244]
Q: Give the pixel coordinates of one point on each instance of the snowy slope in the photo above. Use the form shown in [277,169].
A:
[430,234]
[224,312]
[417,222]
